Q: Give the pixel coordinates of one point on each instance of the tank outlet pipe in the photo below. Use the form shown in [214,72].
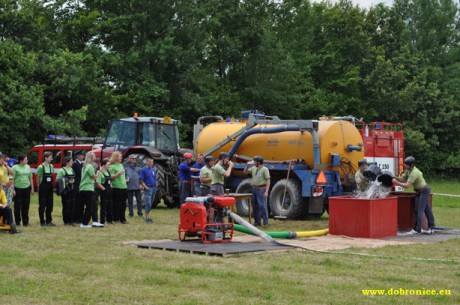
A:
[285,234]
[252,229]
[278,129]
[353,147]
[214,117]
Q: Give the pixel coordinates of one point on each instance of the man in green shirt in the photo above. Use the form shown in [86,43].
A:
[414,177]
[362,183]
[205,176]
[45,173]
[260,187]
[219,173]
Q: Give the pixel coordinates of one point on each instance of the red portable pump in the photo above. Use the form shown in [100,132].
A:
[203,217]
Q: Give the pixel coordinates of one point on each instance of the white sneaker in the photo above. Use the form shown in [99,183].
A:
[428,232]
[413,232]
[84,227]
[97,224]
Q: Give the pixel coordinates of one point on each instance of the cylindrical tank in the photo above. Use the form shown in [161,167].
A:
[335,136]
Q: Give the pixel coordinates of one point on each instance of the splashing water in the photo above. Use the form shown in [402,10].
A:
[374,190]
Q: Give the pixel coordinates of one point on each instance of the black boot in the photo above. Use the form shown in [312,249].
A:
[13,229]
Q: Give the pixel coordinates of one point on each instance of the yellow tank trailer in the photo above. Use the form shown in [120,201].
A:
[294,151]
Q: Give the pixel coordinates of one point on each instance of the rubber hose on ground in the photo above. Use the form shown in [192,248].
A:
[284,234]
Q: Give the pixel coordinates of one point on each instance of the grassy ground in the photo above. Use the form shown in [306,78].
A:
[69,265]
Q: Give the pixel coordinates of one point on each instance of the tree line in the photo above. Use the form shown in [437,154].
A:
[68,66]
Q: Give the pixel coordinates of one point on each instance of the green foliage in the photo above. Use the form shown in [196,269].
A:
[81,63]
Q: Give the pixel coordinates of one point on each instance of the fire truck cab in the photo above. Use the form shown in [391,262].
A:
[59,151]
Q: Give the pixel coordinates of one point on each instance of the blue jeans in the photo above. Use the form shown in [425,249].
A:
[259,206]
[149,197]
[422,207]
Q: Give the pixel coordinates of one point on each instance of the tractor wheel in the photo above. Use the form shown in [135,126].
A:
[242,204]
[293,206]
[162,185]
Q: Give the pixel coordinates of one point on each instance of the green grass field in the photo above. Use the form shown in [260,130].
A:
[69,265]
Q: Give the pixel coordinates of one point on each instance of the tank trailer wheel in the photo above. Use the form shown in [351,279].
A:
[294,206]
[242,204]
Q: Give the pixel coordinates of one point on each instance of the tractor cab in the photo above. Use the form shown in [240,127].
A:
[160,136]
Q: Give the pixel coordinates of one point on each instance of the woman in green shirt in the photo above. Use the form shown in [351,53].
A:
[68,194]
[88,178]
[119,187]
[45,173]
[23,187]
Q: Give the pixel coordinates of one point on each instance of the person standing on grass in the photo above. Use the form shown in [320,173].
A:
[88,178]
[104,185]
[205,176]
[45,173]
[77,210]
[119,187]
[414,177]
[68,194]
[134,187]
[219,173]
[260,187]
[23,187]
[149,182]
[185,178]
[195,169]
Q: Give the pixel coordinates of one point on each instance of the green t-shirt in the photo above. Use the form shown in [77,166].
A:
[361,182]
[206,172]
[44,168]
[101,178]
[415,177]
[87,183]
[22,175]
[218,174]
[62,172]
[259,176]
[120,181]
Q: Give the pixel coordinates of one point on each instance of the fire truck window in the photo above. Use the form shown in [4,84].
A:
[56,157]
[32,157]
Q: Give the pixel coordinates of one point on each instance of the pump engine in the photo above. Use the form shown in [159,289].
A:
[204,217]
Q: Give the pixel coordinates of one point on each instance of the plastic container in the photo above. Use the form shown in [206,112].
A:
[369,218]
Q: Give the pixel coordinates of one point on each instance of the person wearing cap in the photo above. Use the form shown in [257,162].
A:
[412,176]
[260,187]
[23,187]
[205,176]
[219,173]
[362,183]
[185,178]
[77,209]
[132,172]
[195,169]
[149,182]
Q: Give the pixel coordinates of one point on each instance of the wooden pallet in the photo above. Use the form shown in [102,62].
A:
[217,249]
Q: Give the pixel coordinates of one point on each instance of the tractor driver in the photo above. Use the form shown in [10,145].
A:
[219,173]
[361,182]
[414,177]
[260,187]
